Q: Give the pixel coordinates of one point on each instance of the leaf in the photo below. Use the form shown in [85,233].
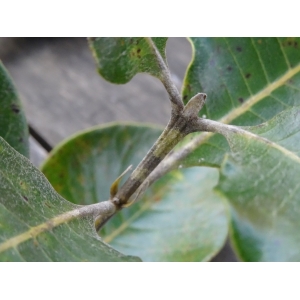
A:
[177,219]
[119,59]
[13,125]
[30,213]
[247,81]
[260,178]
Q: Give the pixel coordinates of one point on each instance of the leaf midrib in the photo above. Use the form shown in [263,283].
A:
[260,95]
[237,112]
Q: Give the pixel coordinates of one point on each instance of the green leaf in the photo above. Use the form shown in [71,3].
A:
[119,59]
[260,178]
[247,81]
[30,214]
[13,125]
[177,220]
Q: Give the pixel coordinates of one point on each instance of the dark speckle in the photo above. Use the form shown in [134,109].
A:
[185,97]
[290,43]
[138,50]
[295,44]
[239,49]
[248,75]
[21,140]
[15,108]
[241,100]
[229,68]
[25,198]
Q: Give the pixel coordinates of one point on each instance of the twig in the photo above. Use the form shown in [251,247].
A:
[179,126]
[174,95]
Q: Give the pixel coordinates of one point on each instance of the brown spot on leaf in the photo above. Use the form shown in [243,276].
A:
[239,49]
[185,97]
[290,43]
[47,204]
[229,68]
[248,75]
[241,100]
[15,108]
[25,198]
[259,41]
[138,50]
[295,44]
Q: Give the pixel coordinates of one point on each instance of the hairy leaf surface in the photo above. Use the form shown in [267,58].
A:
[260,178]
[13,125]
[178,219]
[29,213]
[119,59]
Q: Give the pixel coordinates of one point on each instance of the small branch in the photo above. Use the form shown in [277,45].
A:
[173,160]
[174,95]
[179,126]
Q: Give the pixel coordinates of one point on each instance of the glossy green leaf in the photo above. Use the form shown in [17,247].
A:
[247,81]
[13,125]
[178,219]
[119,59]
[260,178]
[29,207]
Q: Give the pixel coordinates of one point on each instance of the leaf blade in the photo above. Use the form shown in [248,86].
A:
[30,209]
[13,125]
[260,181]
[119,59]
[230,71]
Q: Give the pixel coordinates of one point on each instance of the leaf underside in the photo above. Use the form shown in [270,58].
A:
[27,201]
[176,220]
[260,178]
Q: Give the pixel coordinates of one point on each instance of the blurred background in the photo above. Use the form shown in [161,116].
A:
[62,93]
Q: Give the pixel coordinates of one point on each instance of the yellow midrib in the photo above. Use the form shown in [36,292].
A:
[260,95]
